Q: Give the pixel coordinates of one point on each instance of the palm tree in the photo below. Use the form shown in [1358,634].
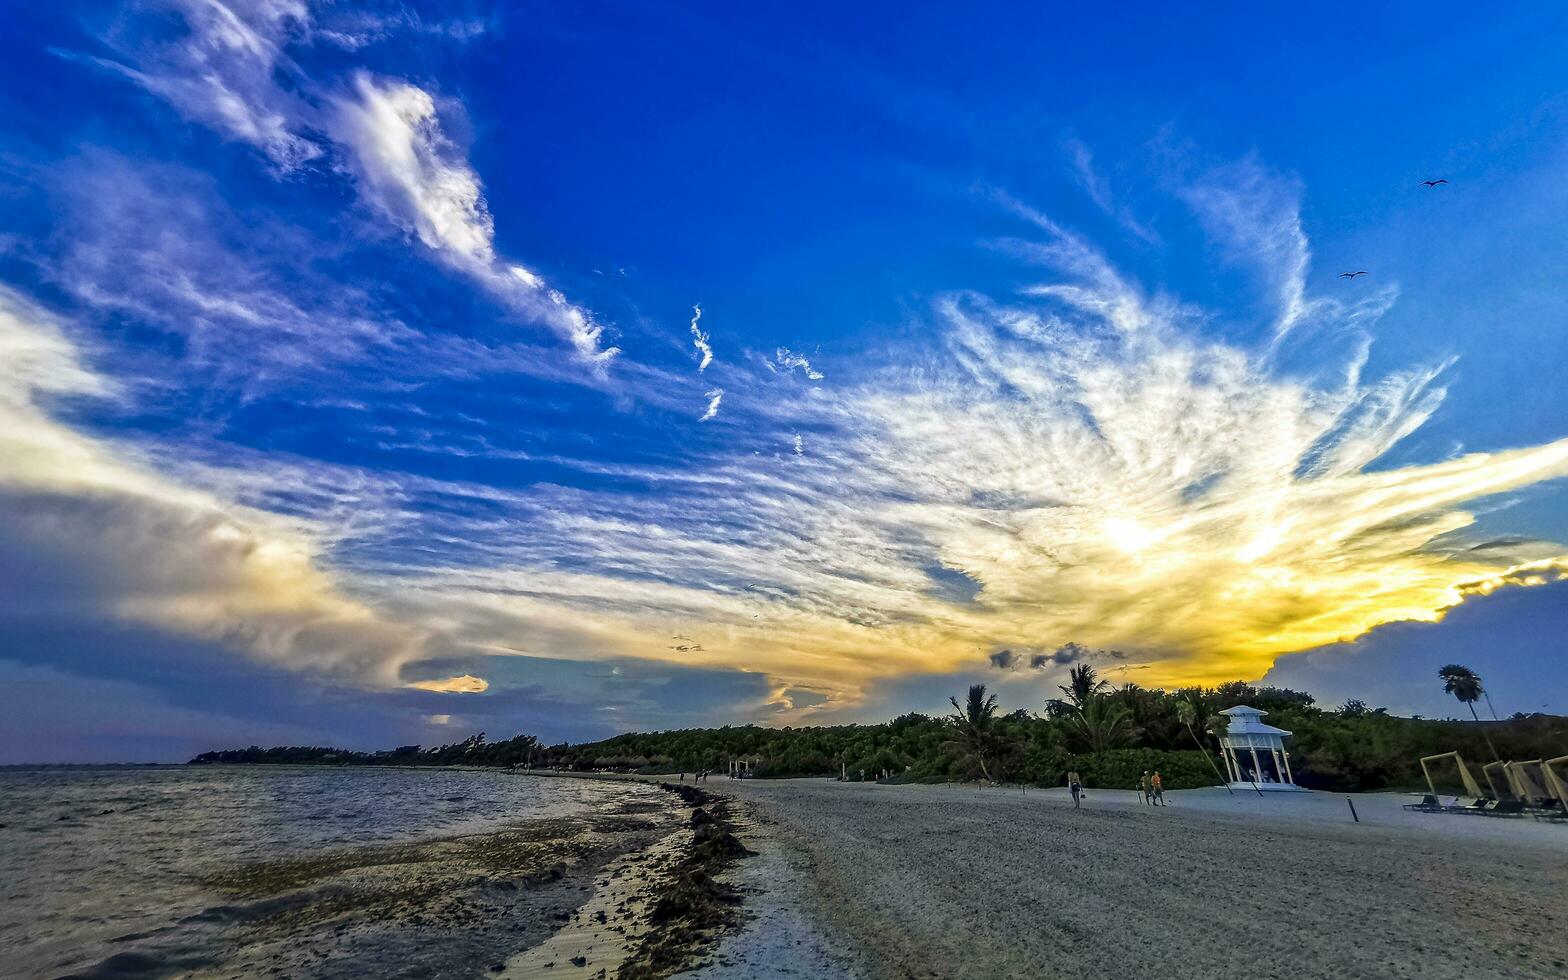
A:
[1082,685]
[972,725]
[1101,723]
[1465,684]
[1187,713]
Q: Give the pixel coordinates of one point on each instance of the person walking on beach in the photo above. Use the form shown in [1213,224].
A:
[1146,787]
[1074,786]
[1159,789]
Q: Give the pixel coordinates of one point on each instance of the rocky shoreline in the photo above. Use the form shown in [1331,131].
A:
[694,906]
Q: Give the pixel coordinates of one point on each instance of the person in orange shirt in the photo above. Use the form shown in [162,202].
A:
[1159,789]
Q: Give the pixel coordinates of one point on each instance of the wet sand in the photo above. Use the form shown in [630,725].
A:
[446,907]
[654,911]
[778,937]
[632,887]
[932,881]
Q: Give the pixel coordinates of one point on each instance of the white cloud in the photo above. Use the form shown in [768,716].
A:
[158,244]
[699,340]
[412,173]
[714,396]
[225,72]
[230,71]
[786,361]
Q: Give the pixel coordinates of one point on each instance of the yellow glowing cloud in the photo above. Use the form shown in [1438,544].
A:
[147,548]
[462,684]
[1098,473]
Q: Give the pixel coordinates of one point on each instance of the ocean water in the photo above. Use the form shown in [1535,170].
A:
[95,861]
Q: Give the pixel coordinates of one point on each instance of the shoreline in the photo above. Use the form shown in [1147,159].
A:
[458,903]
[656,911]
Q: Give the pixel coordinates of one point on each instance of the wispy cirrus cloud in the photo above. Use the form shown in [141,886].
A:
[1253,214]
[227,71]
[1103,473]
[230,70]
[158,245]
[1094,185]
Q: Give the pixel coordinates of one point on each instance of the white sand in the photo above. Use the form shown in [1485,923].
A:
[932,881]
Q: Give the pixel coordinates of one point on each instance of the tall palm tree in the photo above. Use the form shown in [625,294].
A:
[1465,684]
[1188,714]
[971,723]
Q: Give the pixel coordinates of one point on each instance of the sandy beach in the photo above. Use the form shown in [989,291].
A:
[932,881]
[847,881]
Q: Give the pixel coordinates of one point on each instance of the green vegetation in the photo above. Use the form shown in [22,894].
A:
[472,751]
[1110,736]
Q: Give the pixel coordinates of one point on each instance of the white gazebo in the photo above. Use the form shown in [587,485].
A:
[1254,753]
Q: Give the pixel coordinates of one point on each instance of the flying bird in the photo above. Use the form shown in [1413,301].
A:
[1352,275]
[1433,183]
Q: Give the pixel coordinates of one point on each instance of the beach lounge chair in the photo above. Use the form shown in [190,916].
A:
[1507,808]
[1428,804]
[1555,813]
[1468,804]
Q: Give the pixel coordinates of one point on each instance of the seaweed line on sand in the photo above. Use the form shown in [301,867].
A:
[694,908]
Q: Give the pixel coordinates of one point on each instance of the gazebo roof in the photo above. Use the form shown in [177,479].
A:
[1246,720]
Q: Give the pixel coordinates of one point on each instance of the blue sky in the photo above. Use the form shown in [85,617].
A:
[356,388]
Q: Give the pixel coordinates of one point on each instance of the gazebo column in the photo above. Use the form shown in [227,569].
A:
[1232,767]
[1257,767]
[1279,768]
[1288,777]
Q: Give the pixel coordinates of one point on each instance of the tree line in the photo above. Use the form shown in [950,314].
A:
[1108,734]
